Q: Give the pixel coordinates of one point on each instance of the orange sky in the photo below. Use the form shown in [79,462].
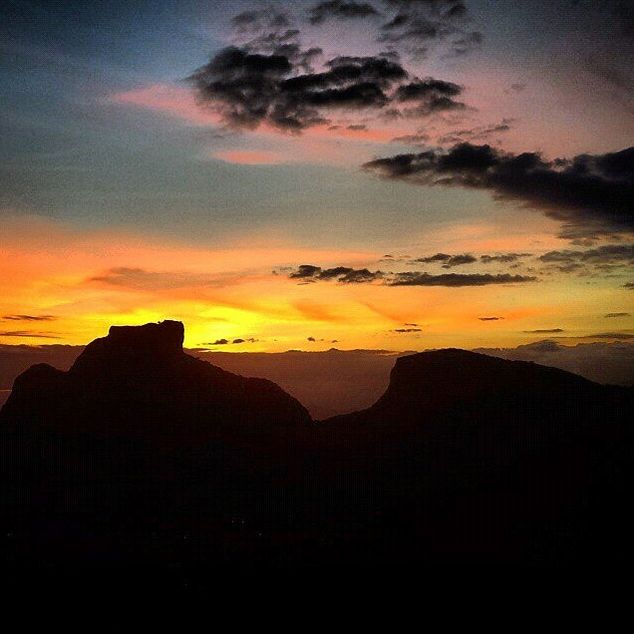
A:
[84,281]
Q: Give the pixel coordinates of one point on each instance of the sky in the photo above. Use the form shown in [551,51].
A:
[389,174]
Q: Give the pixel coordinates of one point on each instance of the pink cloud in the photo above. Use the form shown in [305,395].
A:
[175,101]
[248,157]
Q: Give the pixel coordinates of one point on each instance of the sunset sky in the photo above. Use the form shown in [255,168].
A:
[390,174]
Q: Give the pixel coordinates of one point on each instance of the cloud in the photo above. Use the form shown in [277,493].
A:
[141,279]
[490,318]
[438,257]
[341,10]
[620,254]
[614,315]
[608,335]
[270,79]
[28,334]
[544,331]
[410,278]
[412,139]
[417,24]
[428,96]
[259,19]
[478,133]
[29,317]
[249,157]
[225,342]
[449,261]
[467,43]
[629,285]
[459,260]
[504,258]
[249,88]
[342,274]
[407,330]
[590,194]
[309,273]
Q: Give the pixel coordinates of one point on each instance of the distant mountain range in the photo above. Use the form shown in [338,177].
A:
[333,382]
[142,457]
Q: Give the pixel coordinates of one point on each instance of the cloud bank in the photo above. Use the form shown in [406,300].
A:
[590,194]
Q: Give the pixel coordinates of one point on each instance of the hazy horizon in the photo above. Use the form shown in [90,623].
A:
[333,382]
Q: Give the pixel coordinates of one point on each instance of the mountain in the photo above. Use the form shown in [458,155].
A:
[333,382]
[142,457]
[137,437]
[138,382]
[496,461]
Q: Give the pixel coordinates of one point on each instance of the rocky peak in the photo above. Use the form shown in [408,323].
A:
[138,344]
[164,336]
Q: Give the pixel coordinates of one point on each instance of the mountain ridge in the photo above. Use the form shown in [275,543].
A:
[465,459]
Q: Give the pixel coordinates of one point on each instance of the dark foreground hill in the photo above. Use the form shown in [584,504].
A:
[142,457]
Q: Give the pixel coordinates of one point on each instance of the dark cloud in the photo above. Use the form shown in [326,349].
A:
[29,317]
[342,274]
[423,88]
[411,139]
[590,194]
[311,339]
[490,318]
[449,261]
[478,133]
[621,254]
[438,257]
[309,273]
[407,330]
[459,260]
[609,335]
[467,43]
[629,285]
[410,278]
[342,10]
[268,77]
[612,315]
[610,258]
[504,258]
[417,24]
[225,342]
[29,334]
[248,88]
[427,96]
[543,331]
[305,271]
[259,20]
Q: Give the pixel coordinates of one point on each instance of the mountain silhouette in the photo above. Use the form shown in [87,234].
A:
[142,457]
[138,382]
